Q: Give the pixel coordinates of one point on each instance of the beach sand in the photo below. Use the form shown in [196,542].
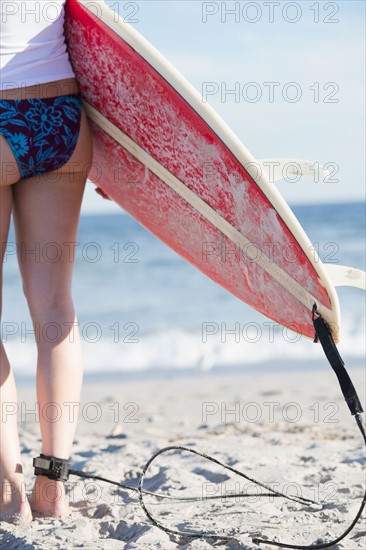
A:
[289,429]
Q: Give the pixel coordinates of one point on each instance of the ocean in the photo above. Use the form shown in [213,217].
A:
[142,308]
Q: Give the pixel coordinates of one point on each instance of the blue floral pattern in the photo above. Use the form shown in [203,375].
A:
[42,133]
[19,143]
[45,120]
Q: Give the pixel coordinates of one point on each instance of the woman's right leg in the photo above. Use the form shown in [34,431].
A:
[13,500]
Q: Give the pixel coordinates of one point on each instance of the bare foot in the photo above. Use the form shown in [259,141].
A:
[14,505]
[49,498]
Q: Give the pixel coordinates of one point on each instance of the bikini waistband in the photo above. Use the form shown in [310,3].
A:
[42,91]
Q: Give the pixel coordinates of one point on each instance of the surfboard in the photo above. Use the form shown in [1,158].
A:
[173,164]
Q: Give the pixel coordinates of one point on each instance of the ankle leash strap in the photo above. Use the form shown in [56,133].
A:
[52,467]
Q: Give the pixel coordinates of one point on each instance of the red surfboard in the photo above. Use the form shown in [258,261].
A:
[168,159]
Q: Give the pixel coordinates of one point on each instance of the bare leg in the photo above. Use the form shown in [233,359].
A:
[13,500]
[46,218]
[46,214]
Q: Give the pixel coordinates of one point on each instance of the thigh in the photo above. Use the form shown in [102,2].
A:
[9,171]
[46,212]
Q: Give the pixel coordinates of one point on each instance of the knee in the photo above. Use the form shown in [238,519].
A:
[47,306]
[53,317]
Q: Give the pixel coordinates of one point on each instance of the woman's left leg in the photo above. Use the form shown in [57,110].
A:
[46,218]
[46,213]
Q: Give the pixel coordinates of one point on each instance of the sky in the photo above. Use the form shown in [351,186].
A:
[296,71]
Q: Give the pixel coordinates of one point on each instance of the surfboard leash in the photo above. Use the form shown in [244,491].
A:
[322,334]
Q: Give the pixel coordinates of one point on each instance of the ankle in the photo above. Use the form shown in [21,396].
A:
[49,497]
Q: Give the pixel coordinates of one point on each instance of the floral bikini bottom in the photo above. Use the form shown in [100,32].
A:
[42,133]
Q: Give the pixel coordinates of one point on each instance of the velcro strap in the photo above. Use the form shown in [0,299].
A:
[52,467]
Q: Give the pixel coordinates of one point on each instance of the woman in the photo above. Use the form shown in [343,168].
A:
[45,153]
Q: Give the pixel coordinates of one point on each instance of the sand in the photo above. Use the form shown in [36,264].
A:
[290,430]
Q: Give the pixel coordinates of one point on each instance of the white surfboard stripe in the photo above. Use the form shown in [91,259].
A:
[211,215]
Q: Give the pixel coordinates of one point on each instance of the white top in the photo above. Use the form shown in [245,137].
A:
[32,43]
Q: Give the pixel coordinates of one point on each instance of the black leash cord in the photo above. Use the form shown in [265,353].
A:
[161,496]
[141,491]
[194,534]
[200,534]
[323,334]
